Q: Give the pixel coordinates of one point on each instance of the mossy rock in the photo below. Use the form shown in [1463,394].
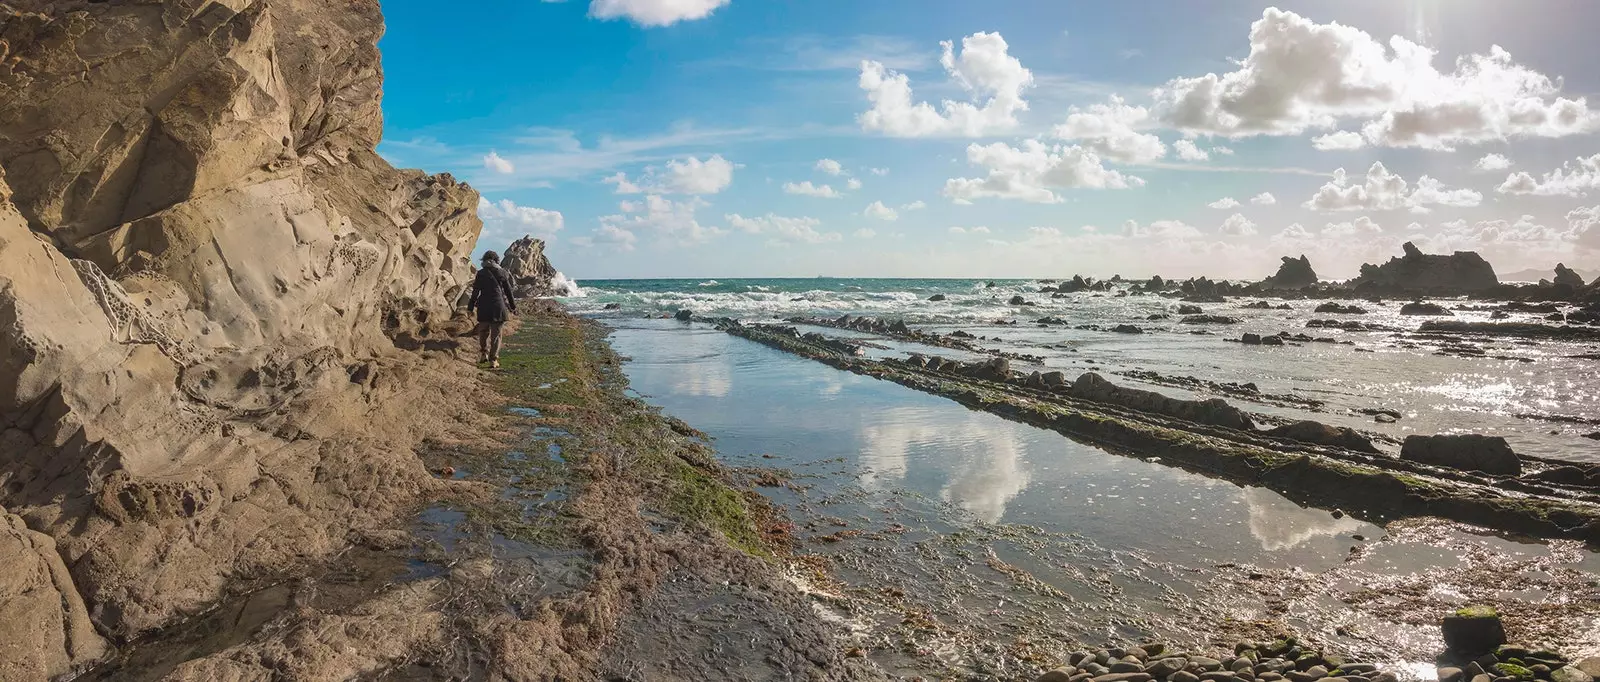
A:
[1513,671]
[1478,611]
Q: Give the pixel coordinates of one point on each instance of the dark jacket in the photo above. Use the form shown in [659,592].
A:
[491,294]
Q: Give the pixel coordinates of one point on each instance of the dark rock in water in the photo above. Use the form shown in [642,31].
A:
[998,369]
[1189,310]
[1421,308]
[959,334]
[989,285]
[1157,316]
[937,297]
[1463,271]
[899,327]
[1127,329]
[684,315]
[1272,341]
[1264,305]
[1592,436]
[1565,277]
[1499,315]
[1210,319]
[1569,475]
[1341,309]
[613,306]
[1323,434]
[1473,631]
[1295,273]
[1468,452]
[1251,339]
[1216,411]
[1018,300]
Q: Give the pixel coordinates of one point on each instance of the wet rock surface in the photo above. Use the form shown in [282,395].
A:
[1472,452]
[1415,271]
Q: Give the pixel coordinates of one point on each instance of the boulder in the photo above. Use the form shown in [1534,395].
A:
[1426,309]
[532,275]
[1018,300]
[1210,319]
[1461,272]
[936,298]
[1566,277]
[1468,452]
[1341,309]
[1295,273]
[1215,411]
[1473,631]
[1127,329]
[1189,310]
[1250,339]
[1323,434]
[684,315]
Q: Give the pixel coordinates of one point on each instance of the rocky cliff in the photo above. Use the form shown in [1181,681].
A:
[1418,272]
[1295,273]
[203,269]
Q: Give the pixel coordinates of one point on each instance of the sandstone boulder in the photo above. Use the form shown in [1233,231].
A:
[1468,452]
[531,273]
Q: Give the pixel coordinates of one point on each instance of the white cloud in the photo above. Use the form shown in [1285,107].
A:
[1360,227]
[865,233]
[1264,199]
[830,167]
[782,229]
[1224,203]
[1295,232]
[1574,178]
[993,79]
[877,210]
[1385,191]
[1030,173]
[1187,151]
[1491,163]
[616,237]
[1343,140]
[672,221]
[808,189]
[505,219]
[1111,131]
[1238,226]
[914,206]
[1225,151]
[1161,230]
[1301,75]
[981,229]
[853,184]
[880,172]
[689,175]
[497,164]
[654,13]
[1585,226]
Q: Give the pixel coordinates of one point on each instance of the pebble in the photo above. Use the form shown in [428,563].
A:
[1448,674]
[1206,664]
[1241,664]
[1127,667]
[1124,677]
[1165,667]
[1057,675]
[1359,668]
[1184,676]
[1472,670]
[1095,668]
[1081,677]
[1219,676]
[1484,677]
[1268,676]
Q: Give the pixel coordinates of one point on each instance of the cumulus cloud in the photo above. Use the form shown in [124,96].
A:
[671,221]
[1574,178]
[689,175]
[880,172]
[993,80]
[1188,151]
[1032,172]
[506,220]
[1238,226]
[1295,232]
[1340,141]
[1224,203]
[1111,130]
[865,233]
[914,206]
[1301,75]
[1491,163]
[1360,227]
[853,184]
[877,210]
[807,189]
[498,164]
[1385,191]
[830,167]
[1264,199]
[782,229]
[981,229]
[654,13]
[609,235]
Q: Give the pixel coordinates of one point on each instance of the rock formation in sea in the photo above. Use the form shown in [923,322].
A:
[531,272]
[1567,278]
[1295,273]
[204,271]
[1460,272]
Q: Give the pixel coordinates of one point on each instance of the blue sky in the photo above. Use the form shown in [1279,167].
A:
[722,138]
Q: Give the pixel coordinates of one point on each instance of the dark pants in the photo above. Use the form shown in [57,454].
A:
[489,340]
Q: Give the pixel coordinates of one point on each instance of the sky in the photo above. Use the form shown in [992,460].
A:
[1009,138]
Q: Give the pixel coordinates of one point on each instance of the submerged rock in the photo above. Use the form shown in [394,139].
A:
[1190,310]
[1323,434]
[1468,452]
[1211,319]
[1421,308]
[1295,273]
[1472,631]
[1461,272]
[1341,309]
[937,297]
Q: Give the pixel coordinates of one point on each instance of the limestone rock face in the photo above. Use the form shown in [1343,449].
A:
[1463,271]
[1295,273]
[531,272]
[199,248]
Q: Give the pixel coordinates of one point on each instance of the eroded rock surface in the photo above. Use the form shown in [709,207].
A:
[1460,272]
[1295,273]
[531,272]
[204,271]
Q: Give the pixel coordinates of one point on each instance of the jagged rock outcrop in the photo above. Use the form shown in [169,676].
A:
[205,269]
[1295,273]
[1565,277]
[531,272]
[1460,272]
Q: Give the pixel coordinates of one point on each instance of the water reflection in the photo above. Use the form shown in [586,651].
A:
[1279,524]
[984,475]
[709,377]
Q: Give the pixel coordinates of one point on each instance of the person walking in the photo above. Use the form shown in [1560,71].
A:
[492,298]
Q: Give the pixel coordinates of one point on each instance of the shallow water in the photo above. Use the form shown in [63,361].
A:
[994,527]
[1535,394]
